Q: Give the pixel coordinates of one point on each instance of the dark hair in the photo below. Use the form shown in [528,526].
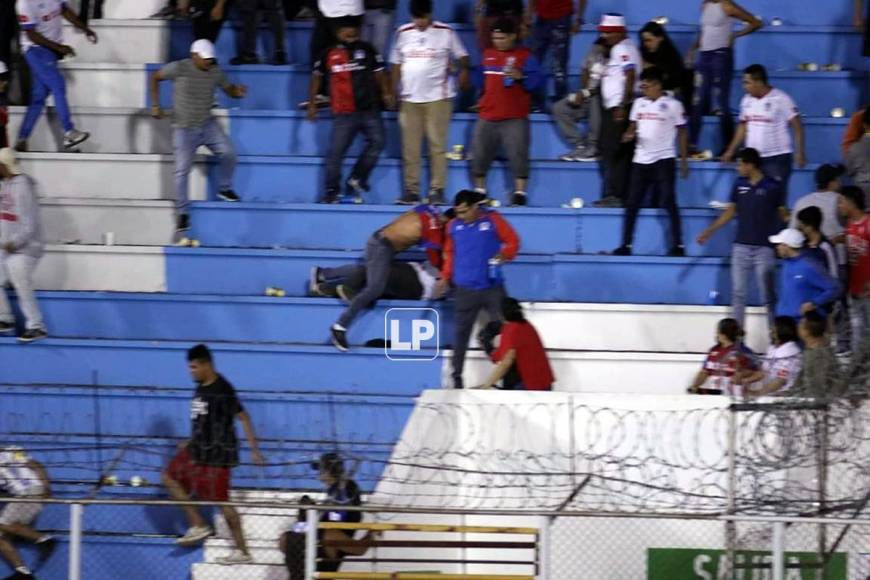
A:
[667,58]
[855,195]
[346,22]
[756,72]
[865,118]
[421,8]
[827,173]
[200,353]
[730,328]
[816,324]
[466,196]
[512,310]
[811,216]
[749,155]
[652,73]
[504,25]
[330,463]
[304,500]
[785,328]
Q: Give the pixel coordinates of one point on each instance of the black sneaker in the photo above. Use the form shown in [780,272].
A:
[324,290]
[228,195]
[609,201]
[436,196]
[331,197]
[183,223]
[314,279]
[21,146]
[622,251]
[677,252]
[245,59]
[6,327]
[46,548]
[408,199]
[279,58]
[20,576]
[518,199]
[345,292]
[32,335]
[339,338]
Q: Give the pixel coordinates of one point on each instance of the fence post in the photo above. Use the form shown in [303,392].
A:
[311,518]
[75,541]
[545,538]
[778,550]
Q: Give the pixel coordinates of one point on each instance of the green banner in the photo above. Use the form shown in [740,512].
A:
[694,564]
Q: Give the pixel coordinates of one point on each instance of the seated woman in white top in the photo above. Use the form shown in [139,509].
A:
[782,364]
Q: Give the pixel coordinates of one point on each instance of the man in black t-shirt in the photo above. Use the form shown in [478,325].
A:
[354,73]
[202,465]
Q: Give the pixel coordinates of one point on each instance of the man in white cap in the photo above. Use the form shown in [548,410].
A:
[805,285]
[41,23]
[20,247]
[196,79]
[618,88]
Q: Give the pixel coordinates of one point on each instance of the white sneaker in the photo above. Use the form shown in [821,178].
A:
[194,536]
[73,137]
[235,557]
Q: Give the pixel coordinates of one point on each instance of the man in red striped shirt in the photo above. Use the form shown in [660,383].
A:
[511,74]
[358,85]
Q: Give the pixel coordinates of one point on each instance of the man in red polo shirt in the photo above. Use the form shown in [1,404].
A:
[354,72]
[521,346]
[511,74]
[851,207]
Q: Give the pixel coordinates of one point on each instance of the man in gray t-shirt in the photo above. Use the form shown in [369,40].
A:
[195,80]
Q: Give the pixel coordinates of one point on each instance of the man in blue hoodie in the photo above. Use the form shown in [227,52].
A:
[804,284]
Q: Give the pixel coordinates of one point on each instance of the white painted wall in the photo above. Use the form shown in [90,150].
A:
[133,223]
[121,41]
[102,268]
[104,85]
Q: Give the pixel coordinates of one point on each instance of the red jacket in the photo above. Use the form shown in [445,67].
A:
[501,102]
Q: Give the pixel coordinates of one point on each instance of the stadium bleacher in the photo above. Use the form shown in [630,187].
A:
[120,317]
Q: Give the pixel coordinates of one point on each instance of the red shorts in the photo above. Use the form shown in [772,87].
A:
[206,482]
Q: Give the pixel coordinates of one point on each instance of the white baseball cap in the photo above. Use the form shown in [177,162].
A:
[203,48]
[790,237]
[7,158]
[3,68]
[612,22]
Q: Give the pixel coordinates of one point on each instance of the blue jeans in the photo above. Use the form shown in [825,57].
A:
[859,312]
[377,28]
[345,128]
[745,260]
[185,141]
[778,167]
[378,260]
[555,34]
[46,79]
[714,72]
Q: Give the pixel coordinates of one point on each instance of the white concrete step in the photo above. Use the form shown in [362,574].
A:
[246,572]
[124,9]
[130,223]
[135,41]
[600,372]
[102,268]
[104,85]
[113,176]
[112,129]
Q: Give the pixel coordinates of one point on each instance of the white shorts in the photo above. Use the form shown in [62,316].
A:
[19,513]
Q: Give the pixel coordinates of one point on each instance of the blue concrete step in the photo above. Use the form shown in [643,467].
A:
[282,88]
[273,367]
[290,133]
[553,183]
[348,227]
[123,316]
[777,47]
[557,278]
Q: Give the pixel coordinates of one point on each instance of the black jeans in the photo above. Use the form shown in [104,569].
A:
[249,11]
[203,25]
[662,176]
[469,303]
[85,10]
[615,156]
[345,128]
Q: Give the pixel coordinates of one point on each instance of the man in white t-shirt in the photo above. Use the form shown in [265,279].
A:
[766,114]
[423,57]
[657,119]
[618,88]
[22,477]
[41,23]
[781,365]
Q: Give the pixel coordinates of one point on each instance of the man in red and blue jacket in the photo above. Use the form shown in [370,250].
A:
[477,242]
[510,75]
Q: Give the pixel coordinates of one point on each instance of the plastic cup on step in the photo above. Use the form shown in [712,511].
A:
[108,238]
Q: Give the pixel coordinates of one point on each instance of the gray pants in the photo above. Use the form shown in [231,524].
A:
[567,117]
[378,259]
[859,310]
[469,303]
[377,28]
[511,135]
[18,269]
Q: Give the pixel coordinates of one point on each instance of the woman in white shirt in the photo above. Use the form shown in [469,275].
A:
[782,364]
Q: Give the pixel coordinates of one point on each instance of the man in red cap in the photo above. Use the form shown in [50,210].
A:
[618,88]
